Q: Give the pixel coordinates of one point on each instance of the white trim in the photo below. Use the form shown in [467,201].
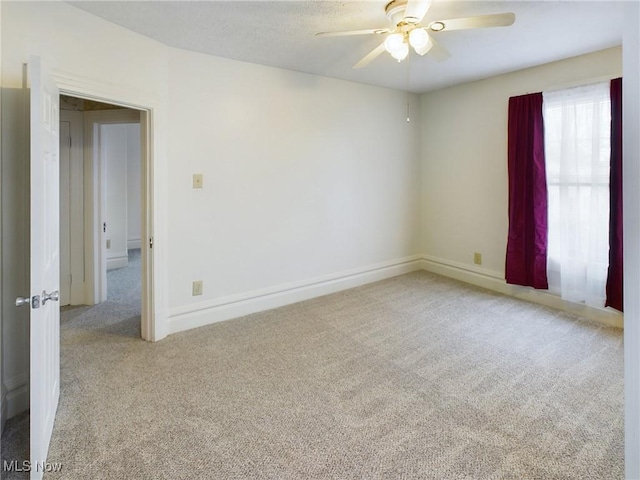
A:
[493,280]
[217,310]
[430,259]
[75,85]
[153,324]
[233,306]
[119,260]
[134,243]
[15,399]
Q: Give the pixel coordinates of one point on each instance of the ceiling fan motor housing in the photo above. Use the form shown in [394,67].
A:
[395,11]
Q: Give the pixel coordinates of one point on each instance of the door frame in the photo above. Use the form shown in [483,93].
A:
[152,323]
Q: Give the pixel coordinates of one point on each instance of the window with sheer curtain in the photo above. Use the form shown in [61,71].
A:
[577,150]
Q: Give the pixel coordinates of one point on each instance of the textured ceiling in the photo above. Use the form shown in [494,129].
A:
[281,34]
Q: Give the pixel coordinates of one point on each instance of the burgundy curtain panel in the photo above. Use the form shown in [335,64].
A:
[614,277]
[526,262]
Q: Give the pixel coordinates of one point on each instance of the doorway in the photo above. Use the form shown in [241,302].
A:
[103,204]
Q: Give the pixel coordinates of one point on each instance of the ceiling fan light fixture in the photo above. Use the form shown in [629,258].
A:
[401,53]
[394,43]
[437,26]
[418,38]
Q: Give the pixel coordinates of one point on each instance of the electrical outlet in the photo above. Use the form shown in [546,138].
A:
[477,258]
[108,243]
[198,180]
[197,288]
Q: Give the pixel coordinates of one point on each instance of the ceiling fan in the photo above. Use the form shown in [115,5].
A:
[406,15]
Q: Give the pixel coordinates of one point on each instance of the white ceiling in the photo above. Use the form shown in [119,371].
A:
[281,34]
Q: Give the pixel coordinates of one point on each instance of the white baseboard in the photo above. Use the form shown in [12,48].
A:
[117,260]
[15,399]
[493,280]
[226,308]
[134,243]
[213,311]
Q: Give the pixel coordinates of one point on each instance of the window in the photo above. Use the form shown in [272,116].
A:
[577,150]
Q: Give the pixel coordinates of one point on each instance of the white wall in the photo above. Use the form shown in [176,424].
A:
[113,152]
[120,151]
[304,177]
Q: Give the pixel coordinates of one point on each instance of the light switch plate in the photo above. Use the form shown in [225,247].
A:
[198,180]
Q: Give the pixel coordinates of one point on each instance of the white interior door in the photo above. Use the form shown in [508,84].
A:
[44,271]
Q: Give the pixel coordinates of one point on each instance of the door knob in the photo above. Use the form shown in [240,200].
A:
[49,296]
[33,301]
[20,301]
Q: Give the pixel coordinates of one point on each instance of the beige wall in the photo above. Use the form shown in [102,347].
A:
[464,157]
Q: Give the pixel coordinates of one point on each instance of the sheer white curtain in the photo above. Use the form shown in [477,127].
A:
[577,150]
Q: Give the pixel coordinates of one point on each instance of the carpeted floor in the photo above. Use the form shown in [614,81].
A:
[415,377]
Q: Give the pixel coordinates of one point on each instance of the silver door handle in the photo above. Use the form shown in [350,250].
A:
[20,301]
[49,296]
[33,301]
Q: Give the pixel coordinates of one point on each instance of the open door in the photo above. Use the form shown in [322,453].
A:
[45,265]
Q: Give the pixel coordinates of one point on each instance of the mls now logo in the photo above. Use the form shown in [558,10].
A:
[27,466]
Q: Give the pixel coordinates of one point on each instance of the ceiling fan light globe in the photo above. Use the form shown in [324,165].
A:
[401,53]
[394,43]
[418,38]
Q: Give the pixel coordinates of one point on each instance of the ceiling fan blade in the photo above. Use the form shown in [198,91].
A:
[437,51]
[480,21]
[369,57]
[354,32]
[416,10]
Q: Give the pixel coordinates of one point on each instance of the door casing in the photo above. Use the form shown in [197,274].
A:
[153,323]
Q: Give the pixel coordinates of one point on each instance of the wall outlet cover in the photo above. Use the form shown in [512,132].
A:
[198,180]
[197,288]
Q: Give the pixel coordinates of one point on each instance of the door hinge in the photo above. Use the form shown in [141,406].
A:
[150,242]
[69,142]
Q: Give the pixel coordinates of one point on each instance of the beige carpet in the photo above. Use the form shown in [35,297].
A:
[416,377]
